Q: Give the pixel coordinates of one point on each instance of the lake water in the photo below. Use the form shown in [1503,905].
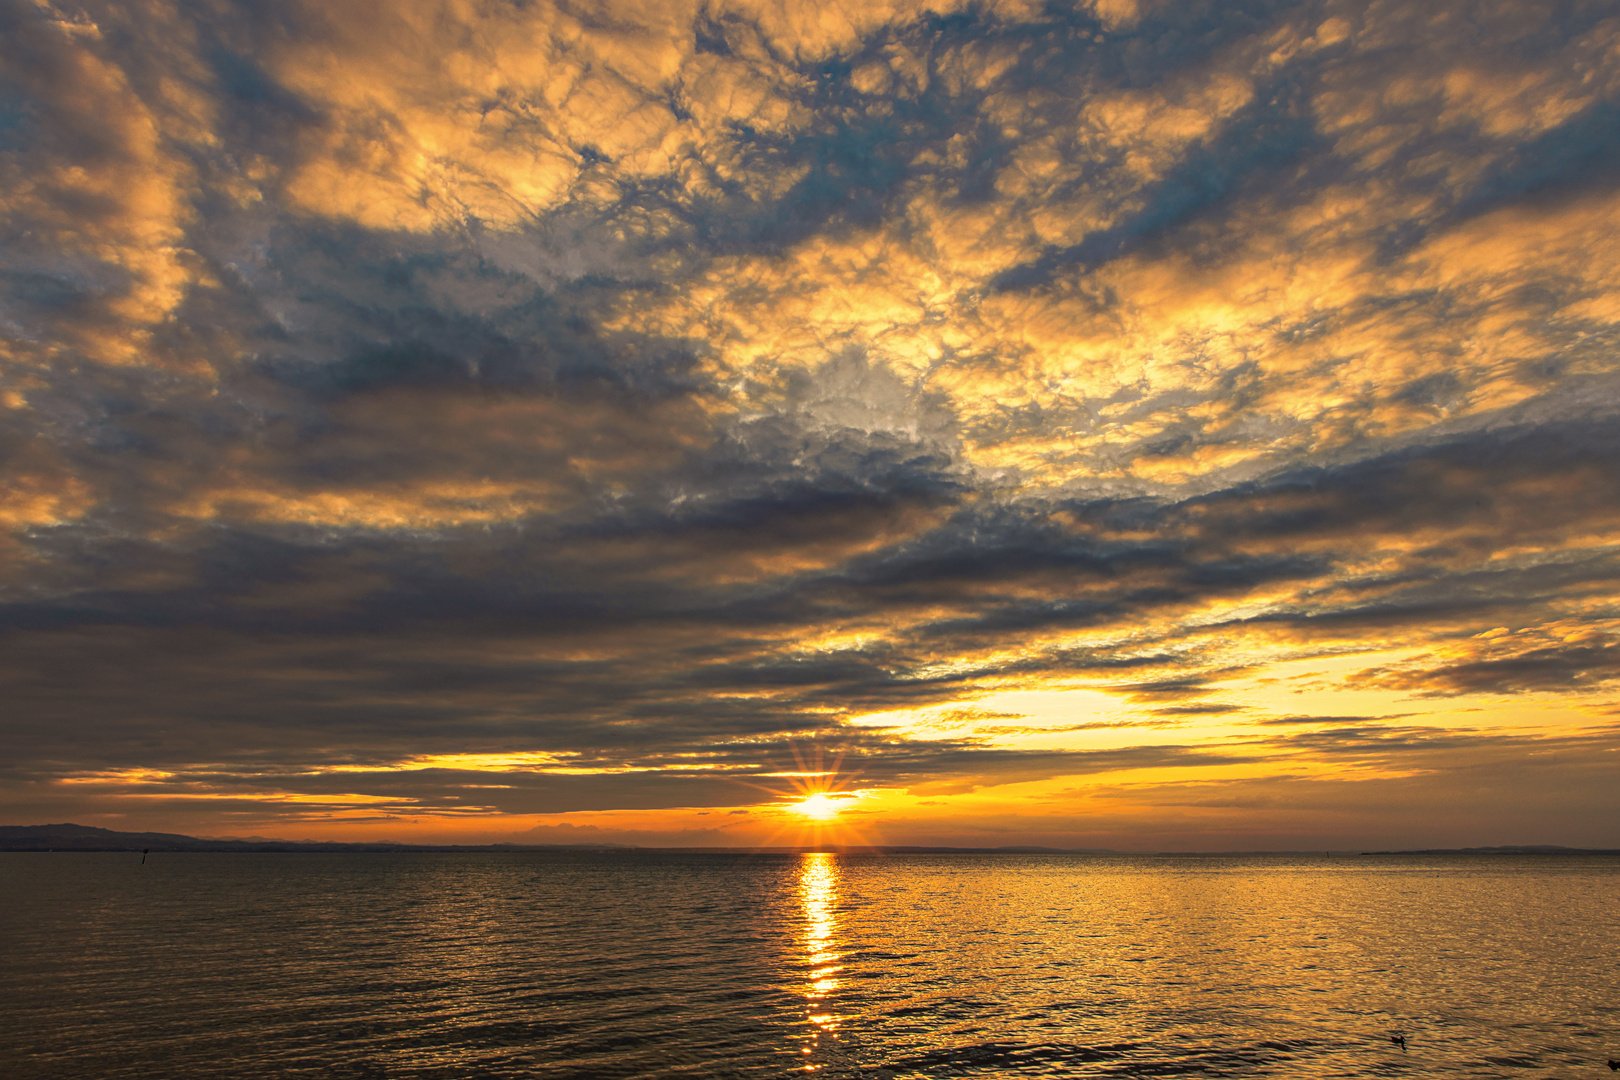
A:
[663,965]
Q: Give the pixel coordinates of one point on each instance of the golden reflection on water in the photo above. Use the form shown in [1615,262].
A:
[818,896]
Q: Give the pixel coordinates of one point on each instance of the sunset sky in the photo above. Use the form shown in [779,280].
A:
[1143,425]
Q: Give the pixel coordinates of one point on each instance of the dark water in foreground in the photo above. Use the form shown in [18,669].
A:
[708,965]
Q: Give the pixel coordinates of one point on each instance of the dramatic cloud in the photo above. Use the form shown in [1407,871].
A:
[1115,422]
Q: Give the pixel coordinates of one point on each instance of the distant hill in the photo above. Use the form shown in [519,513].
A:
[70,837]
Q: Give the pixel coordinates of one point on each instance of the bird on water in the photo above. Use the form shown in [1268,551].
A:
[1614,1066]
[1400,1041]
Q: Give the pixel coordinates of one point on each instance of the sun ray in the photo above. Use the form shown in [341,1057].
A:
[817,794]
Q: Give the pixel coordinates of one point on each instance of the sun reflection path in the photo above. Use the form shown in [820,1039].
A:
[818,894]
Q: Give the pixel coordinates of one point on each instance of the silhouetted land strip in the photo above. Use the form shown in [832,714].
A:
[1511,849]
[70,837]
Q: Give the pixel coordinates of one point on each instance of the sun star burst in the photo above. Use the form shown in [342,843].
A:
[817,806]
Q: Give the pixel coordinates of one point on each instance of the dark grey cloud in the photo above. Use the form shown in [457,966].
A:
[268,655]
[1555,668]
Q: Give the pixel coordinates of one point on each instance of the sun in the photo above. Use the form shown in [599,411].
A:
[817,807]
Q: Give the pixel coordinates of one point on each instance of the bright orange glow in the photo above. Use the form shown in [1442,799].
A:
[818,806]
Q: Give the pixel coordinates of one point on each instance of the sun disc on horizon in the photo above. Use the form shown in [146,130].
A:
[817,806]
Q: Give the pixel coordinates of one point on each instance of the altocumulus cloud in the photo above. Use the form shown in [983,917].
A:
[475,411]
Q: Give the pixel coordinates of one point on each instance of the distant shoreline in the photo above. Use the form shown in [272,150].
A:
[68,837]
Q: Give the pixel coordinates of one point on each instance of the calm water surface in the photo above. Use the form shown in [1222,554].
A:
[652,965]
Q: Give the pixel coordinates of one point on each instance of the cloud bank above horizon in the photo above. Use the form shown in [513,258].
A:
[1105,423]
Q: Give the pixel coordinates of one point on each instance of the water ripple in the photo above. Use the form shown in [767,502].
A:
[647,965]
